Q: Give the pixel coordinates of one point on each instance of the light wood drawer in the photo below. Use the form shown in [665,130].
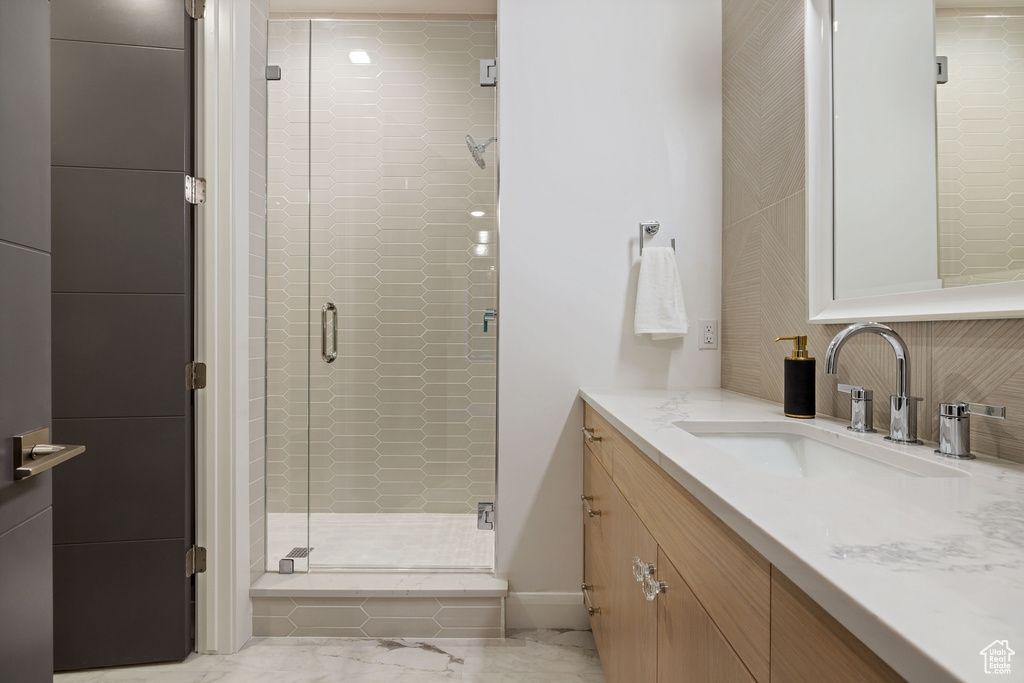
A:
[691,649]
[604,437]
[730,579]
[809,645]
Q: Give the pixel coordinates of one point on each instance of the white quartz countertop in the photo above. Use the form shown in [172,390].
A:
[927,572]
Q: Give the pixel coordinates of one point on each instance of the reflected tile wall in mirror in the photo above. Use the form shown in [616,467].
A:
[980,114]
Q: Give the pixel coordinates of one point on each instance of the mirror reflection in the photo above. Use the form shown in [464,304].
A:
[928,145]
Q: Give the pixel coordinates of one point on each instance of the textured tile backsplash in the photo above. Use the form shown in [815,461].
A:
[764,289]
[374,136]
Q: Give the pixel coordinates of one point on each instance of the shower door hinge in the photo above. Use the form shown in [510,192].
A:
[485,516]
[195,561]
[196,8]
[488,72]
[942,70]
[195,375]
[195,190]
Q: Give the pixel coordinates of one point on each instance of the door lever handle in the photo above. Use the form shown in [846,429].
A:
[34,454]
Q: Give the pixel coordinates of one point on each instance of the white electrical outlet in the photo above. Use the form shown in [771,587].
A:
[708,330]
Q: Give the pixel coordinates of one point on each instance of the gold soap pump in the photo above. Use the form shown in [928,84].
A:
[799,370]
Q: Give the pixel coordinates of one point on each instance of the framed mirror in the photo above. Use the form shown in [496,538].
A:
[915,159]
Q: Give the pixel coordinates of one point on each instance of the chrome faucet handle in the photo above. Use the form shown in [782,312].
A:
[983,409]
[862,414]
[955,426]
[856,393]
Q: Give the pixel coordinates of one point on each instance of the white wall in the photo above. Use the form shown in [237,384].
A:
[886,202]
[609,114]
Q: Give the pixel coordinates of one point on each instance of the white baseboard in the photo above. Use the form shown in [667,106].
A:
[545,610]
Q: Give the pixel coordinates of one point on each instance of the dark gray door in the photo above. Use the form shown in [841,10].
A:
[26,566]
[122,330]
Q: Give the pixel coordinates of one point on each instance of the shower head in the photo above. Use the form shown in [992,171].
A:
[478,150]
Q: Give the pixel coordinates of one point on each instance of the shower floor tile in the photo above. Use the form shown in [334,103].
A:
[382,540]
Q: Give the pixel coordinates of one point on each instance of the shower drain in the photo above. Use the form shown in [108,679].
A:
[299,552]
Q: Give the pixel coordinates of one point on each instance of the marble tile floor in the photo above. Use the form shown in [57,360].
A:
[550,656]
[351,540]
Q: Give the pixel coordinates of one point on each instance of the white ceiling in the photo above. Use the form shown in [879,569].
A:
[389,6]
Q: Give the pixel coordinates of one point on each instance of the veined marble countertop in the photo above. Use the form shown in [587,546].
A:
[927,572]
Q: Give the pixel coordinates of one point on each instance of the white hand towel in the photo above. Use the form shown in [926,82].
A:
[660,311]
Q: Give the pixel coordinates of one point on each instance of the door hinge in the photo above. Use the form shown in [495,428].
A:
[488,72]
[196,8]
[485,516]
[195,375]
[195,561]
[195,190]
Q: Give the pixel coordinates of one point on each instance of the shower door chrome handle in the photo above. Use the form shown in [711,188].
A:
[333,355]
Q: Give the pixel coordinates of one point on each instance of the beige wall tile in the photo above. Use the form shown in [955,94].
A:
[401,627]
[272,607]
[469,617]
[741,305]
[351,617]
[401,607]
[272,626]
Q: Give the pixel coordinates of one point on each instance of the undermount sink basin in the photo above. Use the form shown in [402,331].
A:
[820,454]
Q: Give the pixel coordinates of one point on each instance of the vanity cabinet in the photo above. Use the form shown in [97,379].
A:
[724,614]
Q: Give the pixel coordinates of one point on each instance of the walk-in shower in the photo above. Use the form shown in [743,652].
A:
[381,267]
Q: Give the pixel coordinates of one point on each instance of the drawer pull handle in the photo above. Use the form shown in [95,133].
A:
[641,569]
[591,512]
[591,610]
[591,435]
[652,587]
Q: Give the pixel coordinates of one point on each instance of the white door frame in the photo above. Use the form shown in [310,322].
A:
[223,608]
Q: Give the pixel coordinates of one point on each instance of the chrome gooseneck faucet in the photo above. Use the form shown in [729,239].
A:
[903,415]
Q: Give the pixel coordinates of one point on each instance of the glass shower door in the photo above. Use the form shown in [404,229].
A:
[287,325]
[402,245]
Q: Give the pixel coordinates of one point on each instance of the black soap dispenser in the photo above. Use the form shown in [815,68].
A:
[799,370]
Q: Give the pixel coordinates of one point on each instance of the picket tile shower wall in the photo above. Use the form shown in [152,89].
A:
[376,205]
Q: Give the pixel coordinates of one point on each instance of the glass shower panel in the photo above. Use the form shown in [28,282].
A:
[288,339]
[402,241]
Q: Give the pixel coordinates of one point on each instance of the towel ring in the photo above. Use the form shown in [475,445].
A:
[651,228]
